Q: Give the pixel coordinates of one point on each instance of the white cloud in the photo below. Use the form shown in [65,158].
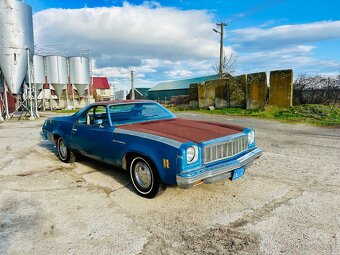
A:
[299,58]
[125,35]
[282,47]
[149,39]
[276,37]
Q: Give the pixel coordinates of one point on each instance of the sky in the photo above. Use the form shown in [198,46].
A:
[172,40]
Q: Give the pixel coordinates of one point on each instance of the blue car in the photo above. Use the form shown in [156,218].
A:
[155,146]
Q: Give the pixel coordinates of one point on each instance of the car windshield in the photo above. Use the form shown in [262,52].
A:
[137,112]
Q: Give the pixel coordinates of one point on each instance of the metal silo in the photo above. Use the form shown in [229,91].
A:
[16,39]
[56,70]
[38,72]
[39,77]
[80,73]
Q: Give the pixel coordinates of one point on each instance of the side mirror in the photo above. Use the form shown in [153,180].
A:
[98,122]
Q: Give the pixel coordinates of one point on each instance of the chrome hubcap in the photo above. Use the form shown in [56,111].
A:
[143,175]
[62,149]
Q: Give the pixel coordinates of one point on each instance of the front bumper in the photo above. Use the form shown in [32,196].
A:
[217,172]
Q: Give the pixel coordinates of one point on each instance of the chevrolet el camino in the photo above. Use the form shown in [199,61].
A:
[155,146]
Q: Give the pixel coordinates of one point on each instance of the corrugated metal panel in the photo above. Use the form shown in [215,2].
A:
[167,94]
[182,84]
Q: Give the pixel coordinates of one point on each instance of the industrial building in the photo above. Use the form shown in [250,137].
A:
[165,90]
[140,93]
[120,94]
[101,89]
[25,73]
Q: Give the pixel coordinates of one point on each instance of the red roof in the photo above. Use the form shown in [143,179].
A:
[101,83]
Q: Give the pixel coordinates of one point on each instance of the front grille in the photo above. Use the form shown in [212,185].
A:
[223,150]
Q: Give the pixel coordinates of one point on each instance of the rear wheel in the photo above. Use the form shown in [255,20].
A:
[64,153]
[145,178]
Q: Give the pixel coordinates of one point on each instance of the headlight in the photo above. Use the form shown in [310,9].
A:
[251,137]
[192,154]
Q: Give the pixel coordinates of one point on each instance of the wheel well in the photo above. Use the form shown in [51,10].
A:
[55,138]
[131,155]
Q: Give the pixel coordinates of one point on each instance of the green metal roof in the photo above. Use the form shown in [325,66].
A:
[142,91]
[182,84]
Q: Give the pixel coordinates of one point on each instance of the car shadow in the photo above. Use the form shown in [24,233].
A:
[119,175]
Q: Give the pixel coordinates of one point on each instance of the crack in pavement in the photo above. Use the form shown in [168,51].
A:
[315,186]
[259,213]
[40,190]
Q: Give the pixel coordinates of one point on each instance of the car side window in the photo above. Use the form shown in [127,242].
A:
[95,116]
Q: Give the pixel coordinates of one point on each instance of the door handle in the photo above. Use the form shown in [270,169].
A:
[74,129]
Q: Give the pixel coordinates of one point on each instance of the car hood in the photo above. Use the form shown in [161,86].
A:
[184,130]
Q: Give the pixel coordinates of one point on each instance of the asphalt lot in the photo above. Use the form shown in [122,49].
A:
[287,203]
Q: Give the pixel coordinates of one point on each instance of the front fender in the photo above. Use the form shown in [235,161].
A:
[63,129]
[156,152]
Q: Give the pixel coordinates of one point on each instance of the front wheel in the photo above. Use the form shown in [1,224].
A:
[64,153]
[145,178]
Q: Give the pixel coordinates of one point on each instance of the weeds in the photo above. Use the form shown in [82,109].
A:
[320,115]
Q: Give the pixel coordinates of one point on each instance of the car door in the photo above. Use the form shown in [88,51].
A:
[92,133]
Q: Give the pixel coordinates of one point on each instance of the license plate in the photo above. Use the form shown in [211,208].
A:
[238,173]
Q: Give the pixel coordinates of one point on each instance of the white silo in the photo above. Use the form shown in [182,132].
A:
[80,73]
[16,42]
[57,75]
[39,76]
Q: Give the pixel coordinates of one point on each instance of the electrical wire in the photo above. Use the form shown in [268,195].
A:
[254,10]
[174,55]
[188,44]
[179,51]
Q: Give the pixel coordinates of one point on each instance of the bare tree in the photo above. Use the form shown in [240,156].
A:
[316,89]
[228,65]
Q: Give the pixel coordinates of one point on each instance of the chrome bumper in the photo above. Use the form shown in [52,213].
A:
[217,172]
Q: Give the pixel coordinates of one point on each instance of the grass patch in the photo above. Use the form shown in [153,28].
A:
[320,115]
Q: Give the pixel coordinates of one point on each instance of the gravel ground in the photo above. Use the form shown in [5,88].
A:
[287,203]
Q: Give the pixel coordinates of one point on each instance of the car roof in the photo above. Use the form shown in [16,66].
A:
[115,102]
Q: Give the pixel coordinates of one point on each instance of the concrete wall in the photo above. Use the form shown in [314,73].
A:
[236,89]
[243,91]
[193,95]
[213,93]
[281,88]
[220,91]
[256,90]
[206,95]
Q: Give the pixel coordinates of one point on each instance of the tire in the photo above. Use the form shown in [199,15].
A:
[64,153]
[145,178]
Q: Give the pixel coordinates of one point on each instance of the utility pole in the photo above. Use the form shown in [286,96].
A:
[220,69]
[132,87]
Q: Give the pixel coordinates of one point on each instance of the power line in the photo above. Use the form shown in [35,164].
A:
[178,51]
[188,43]
[192,44]
[254,10]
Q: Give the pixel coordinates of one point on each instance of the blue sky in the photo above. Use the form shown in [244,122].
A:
[158,39]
